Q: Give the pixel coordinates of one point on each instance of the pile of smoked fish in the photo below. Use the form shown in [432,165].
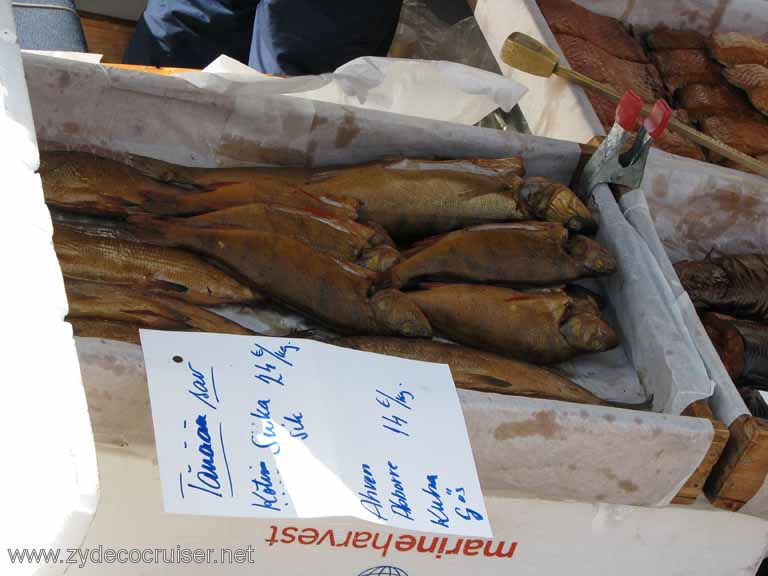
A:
[730,295]
[384,257]
[718,84]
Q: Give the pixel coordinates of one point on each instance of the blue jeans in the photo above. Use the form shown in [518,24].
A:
[290,37]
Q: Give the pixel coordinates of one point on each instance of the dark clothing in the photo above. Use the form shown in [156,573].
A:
[291,37]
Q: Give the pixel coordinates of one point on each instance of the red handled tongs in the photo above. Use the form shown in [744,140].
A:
[609,165]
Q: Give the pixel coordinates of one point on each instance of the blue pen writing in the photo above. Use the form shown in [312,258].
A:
[369,496]
[436,508]
[398,501]
[280,355]
[263,489]
[262,413]
[264,372]
[208,477]
[200,388]
[465,513]
[297,422]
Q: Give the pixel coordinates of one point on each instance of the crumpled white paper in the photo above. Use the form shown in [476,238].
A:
[422,88]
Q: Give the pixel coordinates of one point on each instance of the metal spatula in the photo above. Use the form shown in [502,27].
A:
[529,55]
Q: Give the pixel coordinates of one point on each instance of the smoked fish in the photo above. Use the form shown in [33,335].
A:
[554,202]
[155,269]
[482,371]
[704,100]
[540,327]
[346,239]
[753,79]
[531,253]
[105,329]
[566,17]
[336,293]
[667,39]
[126,305]
[379,258]
[679,68]
[82,182]
[734,285]
[747,136]
[741,344]
[602,66]
[242,193]
[412,203]
[733,48]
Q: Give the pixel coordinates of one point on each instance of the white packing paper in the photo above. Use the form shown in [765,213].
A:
[293,428]
[422,88]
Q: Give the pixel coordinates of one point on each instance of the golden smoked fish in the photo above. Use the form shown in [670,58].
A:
[150,268]
[418,202]
[126,305]
[552,201]
[336,293]
[532,253]
[345,239]
[753,79]
[483,371]
[733,48]
[86,183]
[241,193]
[540,327]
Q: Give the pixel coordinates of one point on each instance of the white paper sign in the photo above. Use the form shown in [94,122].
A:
[291,428]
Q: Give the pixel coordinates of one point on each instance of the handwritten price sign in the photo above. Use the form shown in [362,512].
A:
[290,428]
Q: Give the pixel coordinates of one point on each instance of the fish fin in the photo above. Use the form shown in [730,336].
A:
[148,228]
[166,286]
[159,204]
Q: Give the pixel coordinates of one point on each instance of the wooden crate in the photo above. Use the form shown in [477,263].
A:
[691,490]
[743,467]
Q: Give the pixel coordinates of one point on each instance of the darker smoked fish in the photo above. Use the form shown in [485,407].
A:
[540,327]
[336,293]
[105,329]
[156,269]
[734,285]
[412,202]
[482,371]
[742,346]
[531,253]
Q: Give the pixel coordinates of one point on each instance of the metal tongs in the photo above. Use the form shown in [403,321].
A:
[609,165]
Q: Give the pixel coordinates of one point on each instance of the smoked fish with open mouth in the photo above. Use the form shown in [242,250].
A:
[540,327]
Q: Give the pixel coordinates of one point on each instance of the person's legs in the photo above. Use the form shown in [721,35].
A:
[297,37]
[192,33]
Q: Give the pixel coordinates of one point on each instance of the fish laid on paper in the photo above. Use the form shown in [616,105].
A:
[732,48]
[418,202]
[733,285]
[482,371]
[345,239]
[741,344]
[86,183]
[566,17]
[703,100]
[532,253]
[747,136]
[680,68]
[540,327]
[753,79]
[555,202]
[600,65]
[667,39]
[105,329]
[336,293]
[129,306]
[144,267]
[252,192]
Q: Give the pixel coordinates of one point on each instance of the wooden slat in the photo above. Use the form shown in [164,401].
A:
[106,35]
[691,490]
[743,467]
